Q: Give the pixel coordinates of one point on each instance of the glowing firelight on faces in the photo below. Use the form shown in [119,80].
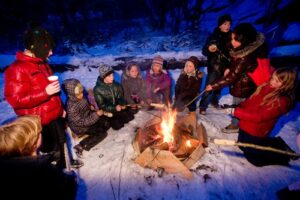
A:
[167,125]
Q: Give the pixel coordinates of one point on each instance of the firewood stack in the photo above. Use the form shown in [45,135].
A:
[187,148]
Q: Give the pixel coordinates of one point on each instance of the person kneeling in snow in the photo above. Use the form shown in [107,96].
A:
[25,174]
[82,118]
[188,85]
[109,97]
[260,112]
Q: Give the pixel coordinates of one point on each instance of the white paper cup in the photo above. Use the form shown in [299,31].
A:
[52,78]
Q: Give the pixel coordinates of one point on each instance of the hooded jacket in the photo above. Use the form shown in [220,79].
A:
[25,83]
[244,61]
[133,86]
[80,115]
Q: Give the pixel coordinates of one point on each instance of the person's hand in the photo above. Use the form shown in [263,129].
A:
[118,108]
[148,101]
[212,48]
[52,88]
[99,112]
[64,114]
[229,111]
[226,72]
[108,114]
[208,88]
[133,106]
[92,107]
[156,90]
[298,140]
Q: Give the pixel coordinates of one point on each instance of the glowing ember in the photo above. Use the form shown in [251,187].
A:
[188,143]
[167,125]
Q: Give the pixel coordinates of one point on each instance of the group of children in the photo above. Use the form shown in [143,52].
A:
[30,93]
[117,103]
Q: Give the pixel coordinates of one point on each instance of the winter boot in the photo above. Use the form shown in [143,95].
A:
[230,129]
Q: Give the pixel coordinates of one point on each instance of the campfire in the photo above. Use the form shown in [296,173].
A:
[170,143]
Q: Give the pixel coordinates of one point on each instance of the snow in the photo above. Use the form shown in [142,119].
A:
[222,173]
[292,32]
[288,50]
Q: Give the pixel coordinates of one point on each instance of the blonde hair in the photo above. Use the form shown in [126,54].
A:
[288,78]
[20,137]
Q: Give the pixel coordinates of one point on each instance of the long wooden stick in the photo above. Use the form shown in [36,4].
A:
[186,105]
[254,146]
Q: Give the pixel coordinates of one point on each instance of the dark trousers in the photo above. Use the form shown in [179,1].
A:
[211,96]
[96,132]
[162,96]
[181,100]
[120,118]
[53,139]
[262,157]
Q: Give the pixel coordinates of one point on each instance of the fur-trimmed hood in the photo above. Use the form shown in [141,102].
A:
[240,53]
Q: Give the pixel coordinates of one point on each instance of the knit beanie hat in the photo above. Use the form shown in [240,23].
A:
[158,60]
[105,70]
[223,19]
[195,61]
[39,41]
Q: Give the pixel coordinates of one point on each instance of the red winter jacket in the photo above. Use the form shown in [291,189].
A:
[258,120]
[25,83]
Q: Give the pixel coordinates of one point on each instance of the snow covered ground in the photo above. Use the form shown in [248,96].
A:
[222,173]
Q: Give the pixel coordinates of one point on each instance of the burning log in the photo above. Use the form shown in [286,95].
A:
[175,151]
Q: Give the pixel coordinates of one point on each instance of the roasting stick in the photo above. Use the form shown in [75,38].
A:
[186,105]
[254,146]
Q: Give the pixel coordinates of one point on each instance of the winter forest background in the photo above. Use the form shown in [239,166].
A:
[89,33]
[128,26]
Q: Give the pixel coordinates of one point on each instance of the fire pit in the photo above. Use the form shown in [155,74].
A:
[169,143]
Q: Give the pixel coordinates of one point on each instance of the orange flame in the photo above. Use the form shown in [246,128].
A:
[188,143]
[167,125]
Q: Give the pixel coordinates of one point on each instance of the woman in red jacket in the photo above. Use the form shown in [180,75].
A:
[29,92]
[259,113]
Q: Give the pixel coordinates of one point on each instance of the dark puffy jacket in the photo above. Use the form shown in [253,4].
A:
[219,60]
[34,177]
[25,83]
[108,96]
[188,85]
[80,115]
[244,61]
[133,86]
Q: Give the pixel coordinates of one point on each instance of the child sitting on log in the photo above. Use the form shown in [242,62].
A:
[188,85]
[82,118]
[158,83]
[134,86]
[109,97]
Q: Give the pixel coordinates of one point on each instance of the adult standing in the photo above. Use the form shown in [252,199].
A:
[247,45]
[29,92]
